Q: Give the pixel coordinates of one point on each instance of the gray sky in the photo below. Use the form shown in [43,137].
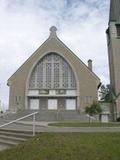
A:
[24,26]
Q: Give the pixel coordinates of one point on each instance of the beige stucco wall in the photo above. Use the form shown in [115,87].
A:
[87,82]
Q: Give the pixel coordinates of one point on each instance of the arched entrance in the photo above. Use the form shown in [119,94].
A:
[52,85]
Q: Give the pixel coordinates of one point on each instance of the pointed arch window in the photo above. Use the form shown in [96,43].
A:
[52,72]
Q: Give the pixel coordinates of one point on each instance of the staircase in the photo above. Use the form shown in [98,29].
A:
[16,132]
[12,133]
[49,115]
[10,138]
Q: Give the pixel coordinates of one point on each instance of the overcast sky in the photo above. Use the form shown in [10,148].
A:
[24,26]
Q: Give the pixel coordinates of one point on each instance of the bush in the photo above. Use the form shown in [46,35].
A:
[118,119]
[94,109]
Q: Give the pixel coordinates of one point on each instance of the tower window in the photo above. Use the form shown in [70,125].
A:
[118,29]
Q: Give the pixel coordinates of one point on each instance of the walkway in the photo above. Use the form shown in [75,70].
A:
[43,127]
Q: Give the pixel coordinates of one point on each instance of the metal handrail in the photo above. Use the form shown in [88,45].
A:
[16,120]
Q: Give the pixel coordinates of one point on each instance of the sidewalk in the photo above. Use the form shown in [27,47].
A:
[43,127]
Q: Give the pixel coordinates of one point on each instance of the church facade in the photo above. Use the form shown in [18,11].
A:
[53,78]
[113,43]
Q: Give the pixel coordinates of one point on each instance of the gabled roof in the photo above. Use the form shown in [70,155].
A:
[53,35]
[114,11]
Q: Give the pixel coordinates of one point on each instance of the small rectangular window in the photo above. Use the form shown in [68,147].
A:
[118,29]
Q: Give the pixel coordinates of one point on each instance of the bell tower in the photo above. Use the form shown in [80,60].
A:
[113,43]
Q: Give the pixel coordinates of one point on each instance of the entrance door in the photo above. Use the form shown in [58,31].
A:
[104,118]
[34,104]
[52,104]
[70,104]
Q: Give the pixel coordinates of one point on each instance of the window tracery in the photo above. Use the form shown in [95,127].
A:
[52,72]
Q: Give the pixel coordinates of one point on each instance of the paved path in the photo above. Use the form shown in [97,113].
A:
[43,127]
[40,128]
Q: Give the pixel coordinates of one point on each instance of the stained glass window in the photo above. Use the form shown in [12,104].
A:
[52,72]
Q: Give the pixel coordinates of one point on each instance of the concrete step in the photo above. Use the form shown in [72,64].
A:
[8,142]
[48,115]
[16,133]
[9,138]
[13,116]
[16,139]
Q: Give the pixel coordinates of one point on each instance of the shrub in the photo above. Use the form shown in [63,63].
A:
[118,119]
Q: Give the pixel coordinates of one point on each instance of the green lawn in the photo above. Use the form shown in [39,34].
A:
[79,124]
[67,146]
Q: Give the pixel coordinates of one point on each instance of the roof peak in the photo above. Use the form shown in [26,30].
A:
[53,30]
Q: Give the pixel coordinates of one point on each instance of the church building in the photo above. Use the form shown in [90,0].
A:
[53,78]
[113,43]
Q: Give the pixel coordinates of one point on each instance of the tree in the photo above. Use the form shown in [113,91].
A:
[108,94]
[105,93]
[94,109]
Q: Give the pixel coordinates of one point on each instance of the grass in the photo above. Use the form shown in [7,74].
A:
[79,124]
[67,146]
